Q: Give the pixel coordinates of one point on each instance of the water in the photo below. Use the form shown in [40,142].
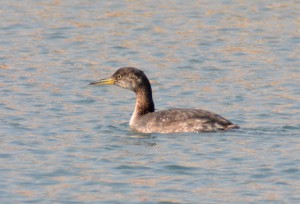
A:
[65,142]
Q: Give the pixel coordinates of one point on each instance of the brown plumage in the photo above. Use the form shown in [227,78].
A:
[145,119]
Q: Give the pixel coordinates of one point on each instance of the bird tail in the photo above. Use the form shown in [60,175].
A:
[232,127]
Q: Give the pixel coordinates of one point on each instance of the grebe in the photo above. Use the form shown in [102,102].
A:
[144,118]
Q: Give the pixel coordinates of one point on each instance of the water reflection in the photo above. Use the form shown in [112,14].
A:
[142,139]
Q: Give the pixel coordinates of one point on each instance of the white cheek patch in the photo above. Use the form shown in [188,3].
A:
[132,83]
[121,84]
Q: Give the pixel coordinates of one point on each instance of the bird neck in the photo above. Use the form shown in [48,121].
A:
[144,103]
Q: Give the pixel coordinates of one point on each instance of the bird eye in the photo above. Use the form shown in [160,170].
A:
[119,76]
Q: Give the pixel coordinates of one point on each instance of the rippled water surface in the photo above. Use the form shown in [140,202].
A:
[62,141]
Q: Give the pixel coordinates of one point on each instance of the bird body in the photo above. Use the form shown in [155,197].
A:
[179,120]
[144,118]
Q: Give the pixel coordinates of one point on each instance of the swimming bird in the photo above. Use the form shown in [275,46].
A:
[144,118]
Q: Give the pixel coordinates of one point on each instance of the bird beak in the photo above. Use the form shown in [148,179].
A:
[108,81]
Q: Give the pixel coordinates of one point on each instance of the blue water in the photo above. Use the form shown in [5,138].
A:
[62,141]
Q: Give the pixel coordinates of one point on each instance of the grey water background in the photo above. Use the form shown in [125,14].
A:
[62,141]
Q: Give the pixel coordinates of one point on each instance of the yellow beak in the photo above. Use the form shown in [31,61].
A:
[108,81]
